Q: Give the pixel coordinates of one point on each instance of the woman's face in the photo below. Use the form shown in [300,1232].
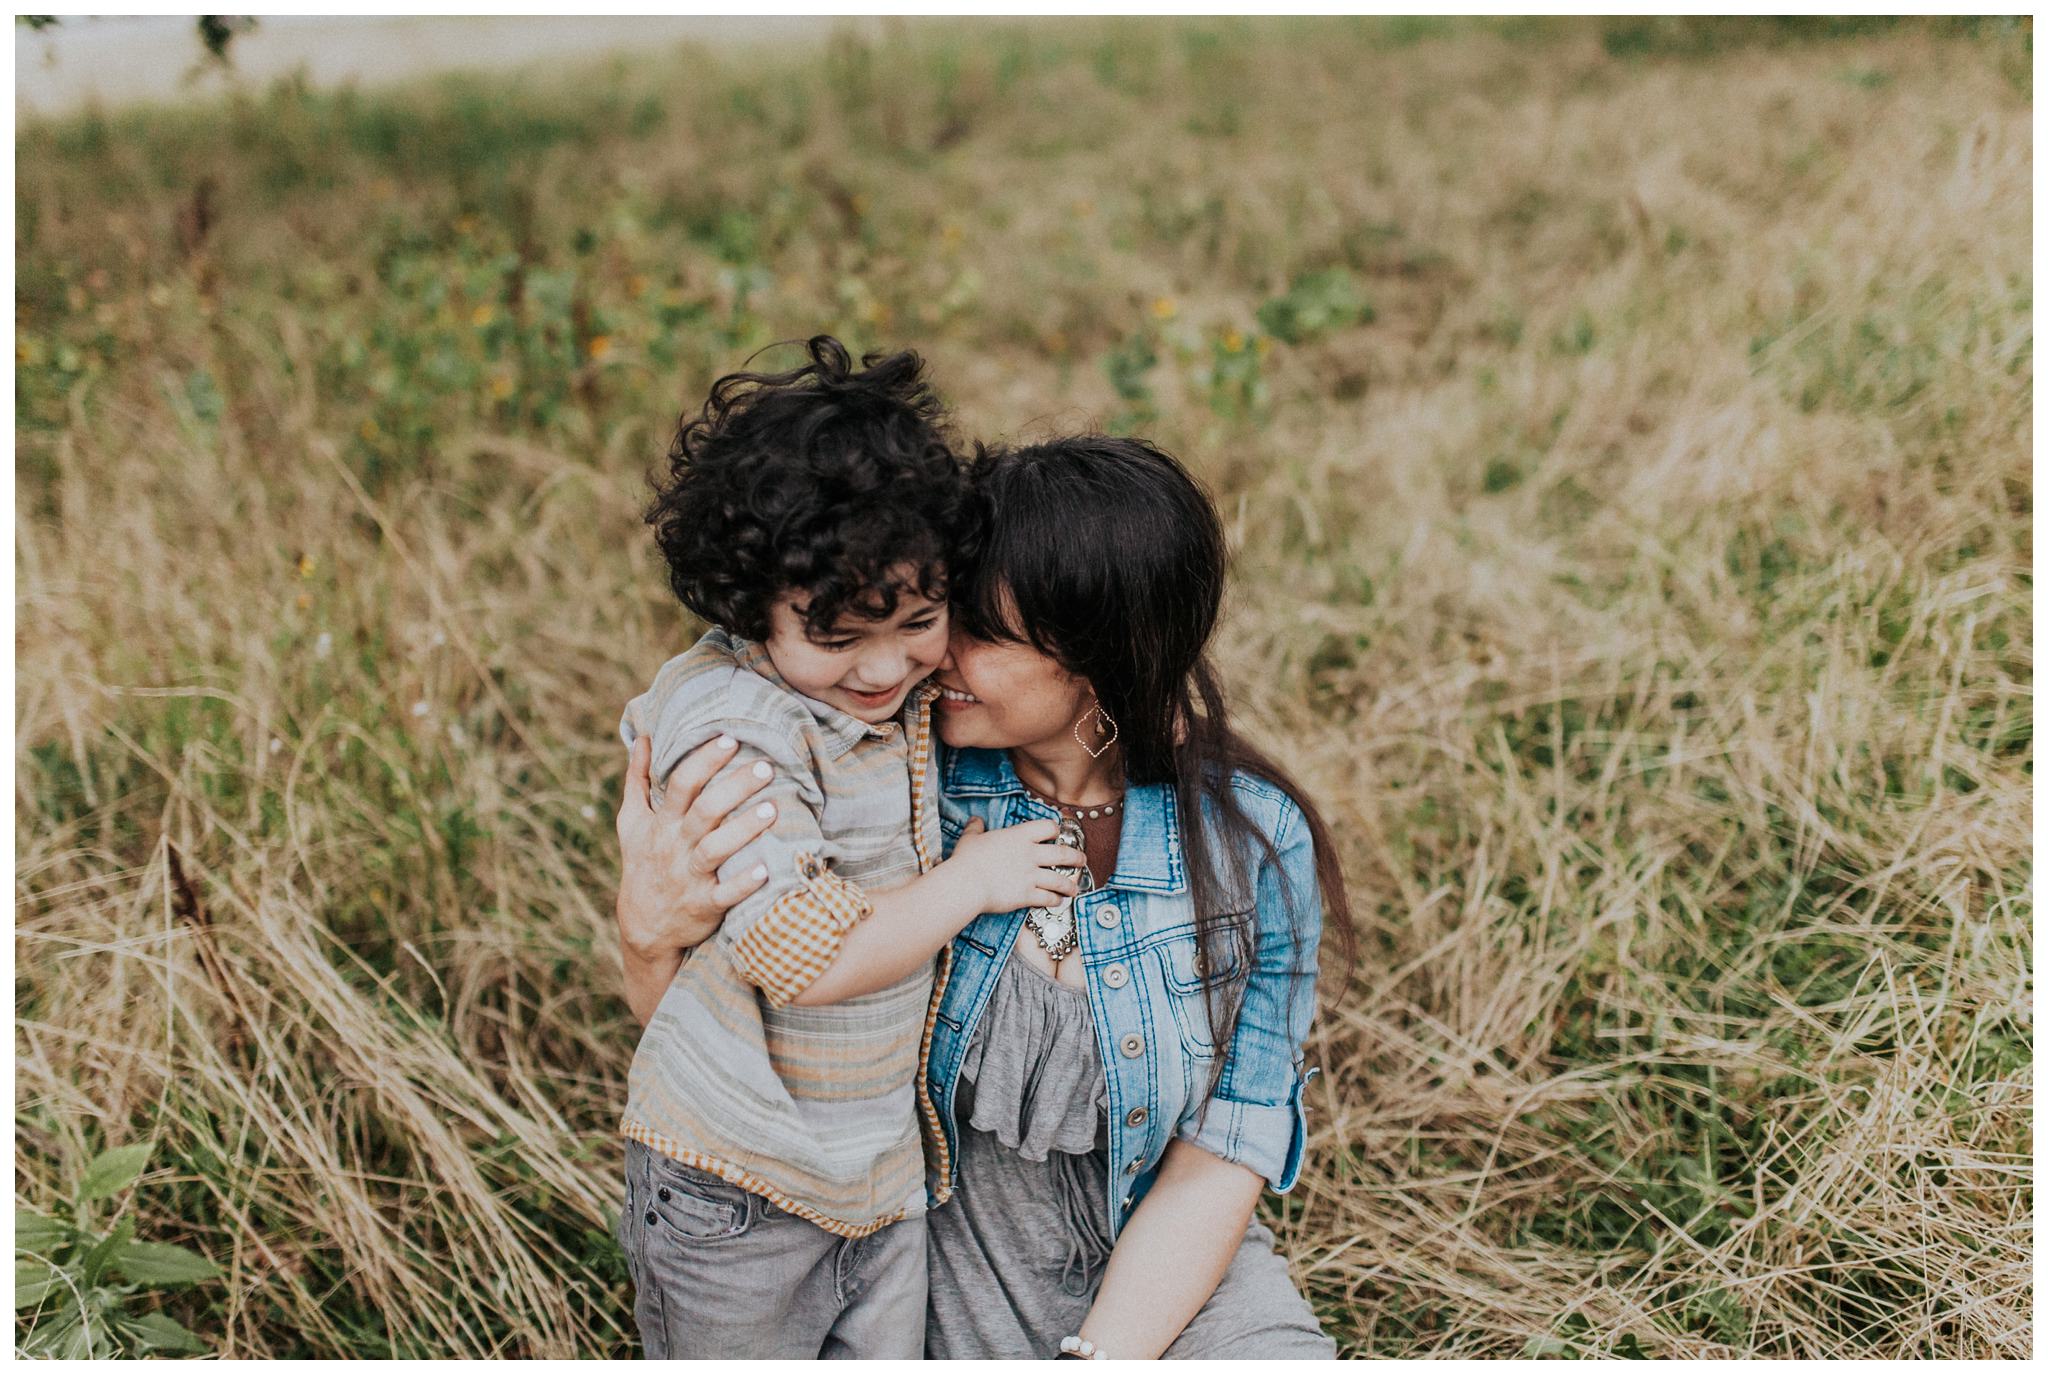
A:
[1005,696]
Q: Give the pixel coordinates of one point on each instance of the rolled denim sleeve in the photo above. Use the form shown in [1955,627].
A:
[1256,1116]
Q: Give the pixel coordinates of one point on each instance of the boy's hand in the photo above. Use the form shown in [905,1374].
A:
[1015,867]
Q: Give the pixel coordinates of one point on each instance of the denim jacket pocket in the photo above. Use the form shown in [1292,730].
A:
[1185,969]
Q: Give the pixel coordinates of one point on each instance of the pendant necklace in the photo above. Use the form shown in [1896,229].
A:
[1055,926]
[1057,930]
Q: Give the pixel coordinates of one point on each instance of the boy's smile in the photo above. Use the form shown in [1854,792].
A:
[864,668]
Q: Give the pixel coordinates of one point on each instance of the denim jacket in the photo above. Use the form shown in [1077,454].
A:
[1145,985]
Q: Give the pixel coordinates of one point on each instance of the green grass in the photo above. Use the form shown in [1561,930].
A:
[1623,429]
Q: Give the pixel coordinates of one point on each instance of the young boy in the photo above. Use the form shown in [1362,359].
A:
[775,1188]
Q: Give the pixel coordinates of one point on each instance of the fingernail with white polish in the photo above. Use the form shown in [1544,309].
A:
[761,769]
[726,742]
[765,809]
[760,871]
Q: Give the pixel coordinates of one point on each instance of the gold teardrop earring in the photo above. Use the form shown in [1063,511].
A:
[1105,724]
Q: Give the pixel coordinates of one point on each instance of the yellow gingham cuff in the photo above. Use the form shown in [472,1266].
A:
[799,936]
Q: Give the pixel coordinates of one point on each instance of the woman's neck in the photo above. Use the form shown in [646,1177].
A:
[1064,772]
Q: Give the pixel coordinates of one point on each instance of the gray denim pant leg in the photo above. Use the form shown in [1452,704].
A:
[719,1272]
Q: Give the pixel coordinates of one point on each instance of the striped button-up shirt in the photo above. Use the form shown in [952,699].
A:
[816,1109]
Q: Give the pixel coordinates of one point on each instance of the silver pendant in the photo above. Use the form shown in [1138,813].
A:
[1055,927]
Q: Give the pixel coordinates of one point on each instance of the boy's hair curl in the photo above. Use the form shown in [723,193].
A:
[821,481]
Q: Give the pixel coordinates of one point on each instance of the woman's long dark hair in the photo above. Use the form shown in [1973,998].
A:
[1107,555]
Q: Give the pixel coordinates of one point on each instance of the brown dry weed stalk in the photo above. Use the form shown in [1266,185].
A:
[1635,558]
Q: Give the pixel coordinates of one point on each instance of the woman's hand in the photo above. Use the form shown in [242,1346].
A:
[670,898]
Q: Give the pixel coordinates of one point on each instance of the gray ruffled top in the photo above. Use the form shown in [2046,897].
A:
[1031,1078]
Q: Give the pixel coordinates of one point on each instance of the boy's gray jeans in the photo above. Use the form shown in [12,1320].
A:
[720,1272]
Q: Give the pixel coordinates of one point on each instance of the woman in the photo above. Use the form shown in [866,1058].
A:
[1117,1078]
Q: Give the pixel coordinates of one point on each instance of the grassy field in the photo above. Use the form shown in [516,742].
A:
[1624,430]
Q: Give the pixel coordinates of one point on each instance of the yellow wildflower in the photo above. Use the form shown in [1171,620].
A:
[305,600]
[1264,345]
[636,285]
[466,224]
[1233,342]
[306,565]
[482,316]
[501,385]
[599,346]
[1164,308]
[369,429]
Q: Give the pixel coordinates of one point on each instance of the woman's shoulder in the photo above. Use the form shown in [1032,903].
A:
[970,771]
[1268,806]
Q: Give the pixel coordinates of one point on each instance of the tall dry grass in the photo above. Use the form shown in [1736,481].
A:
[1644,585]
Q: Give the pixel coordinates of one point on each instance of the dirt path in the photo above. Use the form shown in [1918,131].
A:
[152,59]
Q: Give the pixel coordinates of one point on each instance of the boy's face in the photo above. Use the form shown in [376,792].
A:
[864,668]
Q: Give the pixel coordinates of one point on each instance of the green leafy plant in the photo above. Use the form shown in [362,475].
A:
[1233,375]
[76,1289]
[1129,366]
[1315,304]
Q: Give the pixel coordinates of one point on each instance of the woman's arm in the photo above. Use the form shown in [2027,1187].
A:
[1171,1255]
[670,899]
[1173,1251]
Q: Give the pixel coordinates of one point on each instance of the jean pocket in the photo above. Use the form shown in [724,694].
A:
[1197,973]
[694,1204]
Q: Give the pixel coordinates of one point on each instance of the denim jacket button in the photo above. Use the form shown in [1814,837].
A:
[1135,1165]
[1116,976]
[1109,916]
[1132,1046]
[662,1193]
[1135,1118]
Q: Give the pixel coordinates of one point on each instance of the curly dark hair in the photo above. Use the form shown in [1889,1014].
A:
[822,480]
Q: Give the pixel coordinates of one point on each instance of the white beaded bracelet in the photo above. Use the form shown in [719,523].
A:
[1083,1348]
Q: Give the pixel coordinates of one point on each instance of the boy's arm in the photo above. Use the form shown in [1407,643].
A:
[796,931]
[1017,866]
[787,935]
[904,928]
